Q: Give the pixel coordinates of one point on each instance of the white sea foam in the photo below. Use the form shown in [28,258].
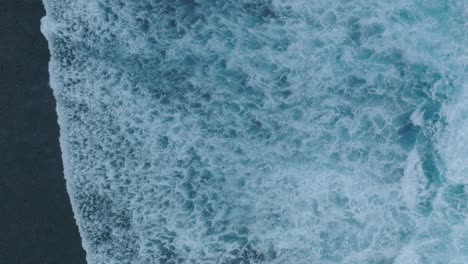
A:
[263,131]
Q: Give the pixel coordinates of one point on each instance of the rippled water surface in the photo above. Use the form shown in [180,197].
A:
[264,131]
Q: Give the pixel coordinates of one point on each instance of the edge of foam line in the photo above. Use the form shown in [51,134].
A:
[47,26]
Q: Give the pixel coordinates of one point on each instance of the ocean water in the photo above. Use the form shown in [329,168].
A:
[264,131]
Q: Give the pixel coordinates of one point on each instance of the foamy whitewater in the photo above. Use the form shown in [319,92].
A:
[264,131]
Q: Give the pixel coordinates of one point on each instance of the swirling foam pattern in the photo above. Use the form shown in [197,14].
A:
[264,131]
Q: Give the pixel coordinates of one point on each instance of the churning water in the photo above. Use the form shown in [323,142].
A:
[264,131]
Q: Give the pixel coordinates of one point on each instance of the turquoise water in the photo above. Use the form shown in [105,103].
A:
[268,131]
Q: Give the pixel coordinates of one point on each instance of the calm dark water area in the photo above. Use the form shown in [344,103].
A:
[36,219]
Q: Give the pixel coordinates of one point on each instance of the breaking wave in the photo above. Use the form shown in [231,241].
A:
[264,131]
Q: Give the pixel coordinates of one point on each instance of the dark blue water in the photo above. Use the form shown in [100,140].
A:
[281,131]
